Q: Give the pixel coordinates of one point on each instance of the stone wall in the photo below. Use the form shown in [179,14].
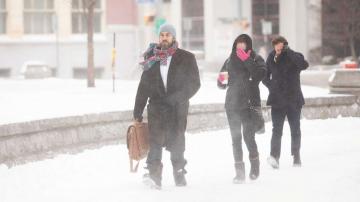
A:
[39,139]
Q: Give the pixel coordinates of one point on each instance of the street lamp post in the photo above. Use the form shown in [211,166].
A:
[57,46]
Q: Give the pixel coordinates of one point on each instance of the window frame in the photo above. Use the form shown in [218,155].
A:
[82,19]
[3,11]
[32,11]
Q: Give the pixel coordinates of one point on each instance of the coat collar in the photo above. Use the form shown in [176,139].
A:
[175,60]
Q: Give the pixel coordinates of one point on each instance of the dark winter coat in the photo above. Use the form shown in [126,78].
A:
[168,109]
[244,78]
[283,79]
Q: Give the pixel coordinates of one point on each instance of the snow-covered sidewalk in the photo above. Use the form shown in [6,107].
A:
[26,100]
[330,172]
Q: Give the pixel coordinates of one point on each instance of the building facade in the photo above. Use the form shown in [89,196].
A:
[209,27]
[54,31]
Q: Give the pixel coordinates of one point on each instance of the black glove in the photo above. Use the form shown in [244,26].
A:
[286,49]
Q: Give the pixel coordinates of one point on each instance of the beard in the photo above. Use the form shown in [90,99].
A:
[165,44]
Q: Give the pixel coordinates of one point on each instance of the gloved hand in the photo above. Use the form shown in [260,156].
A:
[223,78]
[242,54]
[286,49]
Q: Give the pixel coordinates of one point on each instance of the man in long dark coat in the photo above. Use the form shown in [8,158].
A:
[285,97]
[170,78]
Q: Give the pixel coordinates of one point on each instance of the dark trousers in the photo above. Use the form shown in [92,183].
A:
[239,119]
[278,117]
[155,155]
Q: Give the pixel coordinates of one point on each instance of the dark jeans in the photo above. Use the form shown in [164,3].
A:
[155,155]
[238,119]
[278,117]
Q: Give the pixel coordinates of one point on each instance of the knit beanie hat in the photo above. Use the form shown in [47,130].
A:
[168,28]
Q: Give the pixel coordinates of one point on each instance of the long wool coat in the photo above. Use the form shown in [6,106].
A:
[168,109]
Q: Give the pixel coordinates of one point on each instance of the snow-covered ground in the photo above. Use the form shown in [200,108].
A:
[26,100]
[330,172]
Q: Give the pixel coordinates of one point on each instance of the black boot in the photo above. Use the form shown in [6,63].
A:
[297,160]
[153,178]
[255,168]
[179,173]
[240,173]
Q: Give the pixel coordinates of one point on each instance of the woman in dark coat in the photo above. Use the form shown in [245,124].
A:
[245,71]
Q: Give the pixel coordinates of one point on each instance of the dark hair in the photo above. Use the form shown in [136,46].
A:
[279,39]
[242,38]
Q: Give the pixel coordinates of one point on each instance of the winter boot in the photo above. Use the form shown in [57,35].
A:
[273,162]
[297,160]
[179,174]
[179,177]
[240,173]
[255,168]
[153,178]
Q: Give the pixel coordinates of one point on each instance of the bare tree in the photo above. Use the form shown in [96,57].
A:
[89,6]
[345,17]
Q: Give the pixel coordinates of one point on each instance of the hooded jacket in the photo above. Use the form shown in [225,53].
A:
[244,77]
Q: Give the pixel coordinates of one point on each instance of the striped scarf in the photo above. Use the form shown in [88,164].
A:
[156,55]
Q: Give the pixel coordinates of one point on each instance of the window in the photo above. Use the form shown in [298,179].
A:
[264,10]
[79,24]
[5,72]
[2,16]
[193,28]
[39,16]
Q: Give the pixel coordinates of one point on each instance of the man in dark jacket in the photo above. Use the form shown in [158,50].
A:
[170,78]
[285,97]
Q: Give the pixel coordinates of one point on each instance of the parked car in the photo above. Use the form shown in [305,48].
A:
[35,70]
